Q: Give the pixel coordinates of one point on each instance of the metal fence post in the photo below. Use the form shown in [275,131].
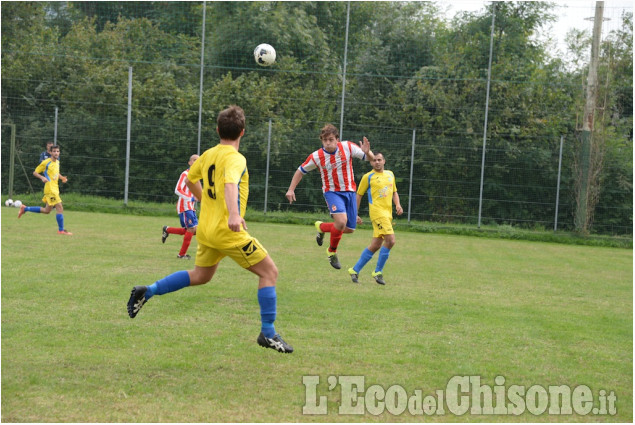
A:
[412,164]
[267,169]
[348,15]
[12,161]
[200,88]
[555,221]
[489,77]
[55,129]
[125,191]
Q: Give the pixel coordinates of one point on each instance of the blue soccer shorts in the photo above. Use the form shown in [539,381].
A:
[343,203]
[188,219]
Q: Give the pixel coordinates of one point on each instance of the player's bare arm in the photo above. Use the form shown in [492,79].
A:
[294,183]
[365,146]
[195,188]
[231,201]
[395,200]
[359,201]
[40,176]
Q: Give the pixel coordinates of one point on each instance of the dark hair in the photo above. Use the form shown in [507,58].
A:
[55,147]
[231,122]
[49,142]
[329,129]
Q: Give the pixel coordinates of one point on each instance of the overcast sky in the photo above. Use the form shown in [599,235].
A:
[571,14]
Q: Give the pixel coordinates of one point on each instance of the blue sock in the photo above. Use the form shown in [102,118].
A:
[381,260]
[171,283]
[363,259]
[32,209]
[267,300]
[60,221]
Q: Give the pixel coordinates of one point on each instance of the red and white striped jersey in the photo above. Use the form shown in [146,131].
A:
[336,169]
[185,195]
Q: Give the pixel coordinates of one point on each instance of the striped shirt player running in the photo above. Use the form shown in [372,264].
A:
[186,211]
[335,162]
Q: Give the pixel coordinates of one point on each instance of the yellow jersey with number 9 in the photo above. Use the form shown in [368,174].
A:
[218,166]
[379,188]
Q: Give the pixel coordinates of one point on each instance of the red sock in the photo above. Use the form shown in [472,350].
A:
[336,235]
[176,230]
[187,238]
[327,227]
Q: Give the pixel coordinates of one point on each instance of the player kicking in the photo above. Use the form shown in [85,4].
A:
[381,190]
[187,214]
[222,229]
[335,162]
[49,172]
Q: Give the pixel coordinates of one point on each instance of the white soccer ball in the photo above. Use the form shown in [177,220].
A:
[9,202]
[265,54]
[17,203]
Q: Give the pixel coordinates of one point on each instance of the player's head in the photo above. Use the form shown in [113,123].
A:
[379,162]
[230,123]
[49,145]
[192,159]
[55,151]
[329,137]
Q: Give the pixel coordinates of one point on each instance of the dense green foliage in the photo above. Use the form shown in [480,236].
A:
[407,69]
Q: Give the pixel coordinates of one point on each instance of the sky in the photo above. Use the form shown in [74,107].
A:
[570,14]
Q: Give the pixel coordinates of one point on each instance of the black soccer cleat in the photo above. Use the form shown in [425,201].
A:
[137,300]
[276,343]
[353,275]
[186,256]
[165,234]
[333,259]
[379,278]
[319,238]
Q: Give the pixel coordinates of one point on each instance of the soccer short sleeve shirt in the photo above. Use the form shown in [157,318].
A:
[378,188]
[51,170]
[185,195]
[217,166]
[336,169]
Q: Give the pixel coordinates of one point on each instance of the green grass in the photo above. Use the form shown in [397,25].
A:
[77,202]
[536,313]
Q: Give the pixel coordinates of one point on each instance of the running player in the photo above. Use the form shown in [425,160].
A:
[187,214]
[49,173]
[222,229]
[381,190]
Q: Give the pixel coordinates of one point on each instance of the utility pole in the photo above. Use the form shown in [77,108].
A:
[581,217]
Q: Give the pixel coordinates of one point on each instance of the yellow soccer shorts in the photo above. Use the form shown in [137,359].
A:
[246,253]
[382,226]
[51,199]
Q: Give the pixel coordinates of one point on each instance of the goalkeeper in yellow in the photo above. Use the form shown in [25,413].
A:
[49,172]
[380,189]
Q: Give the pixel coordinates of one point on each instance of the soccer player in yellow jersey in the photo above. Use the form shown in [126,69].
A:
[380,188]
[49,172]
[222,231]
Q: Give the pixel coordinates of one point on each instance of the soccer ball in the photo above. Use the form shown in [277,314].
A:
[17,203]
[265,54]
[9,202]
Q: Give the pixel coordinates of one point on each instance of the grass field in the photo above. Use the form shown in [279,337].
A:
[535,313]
